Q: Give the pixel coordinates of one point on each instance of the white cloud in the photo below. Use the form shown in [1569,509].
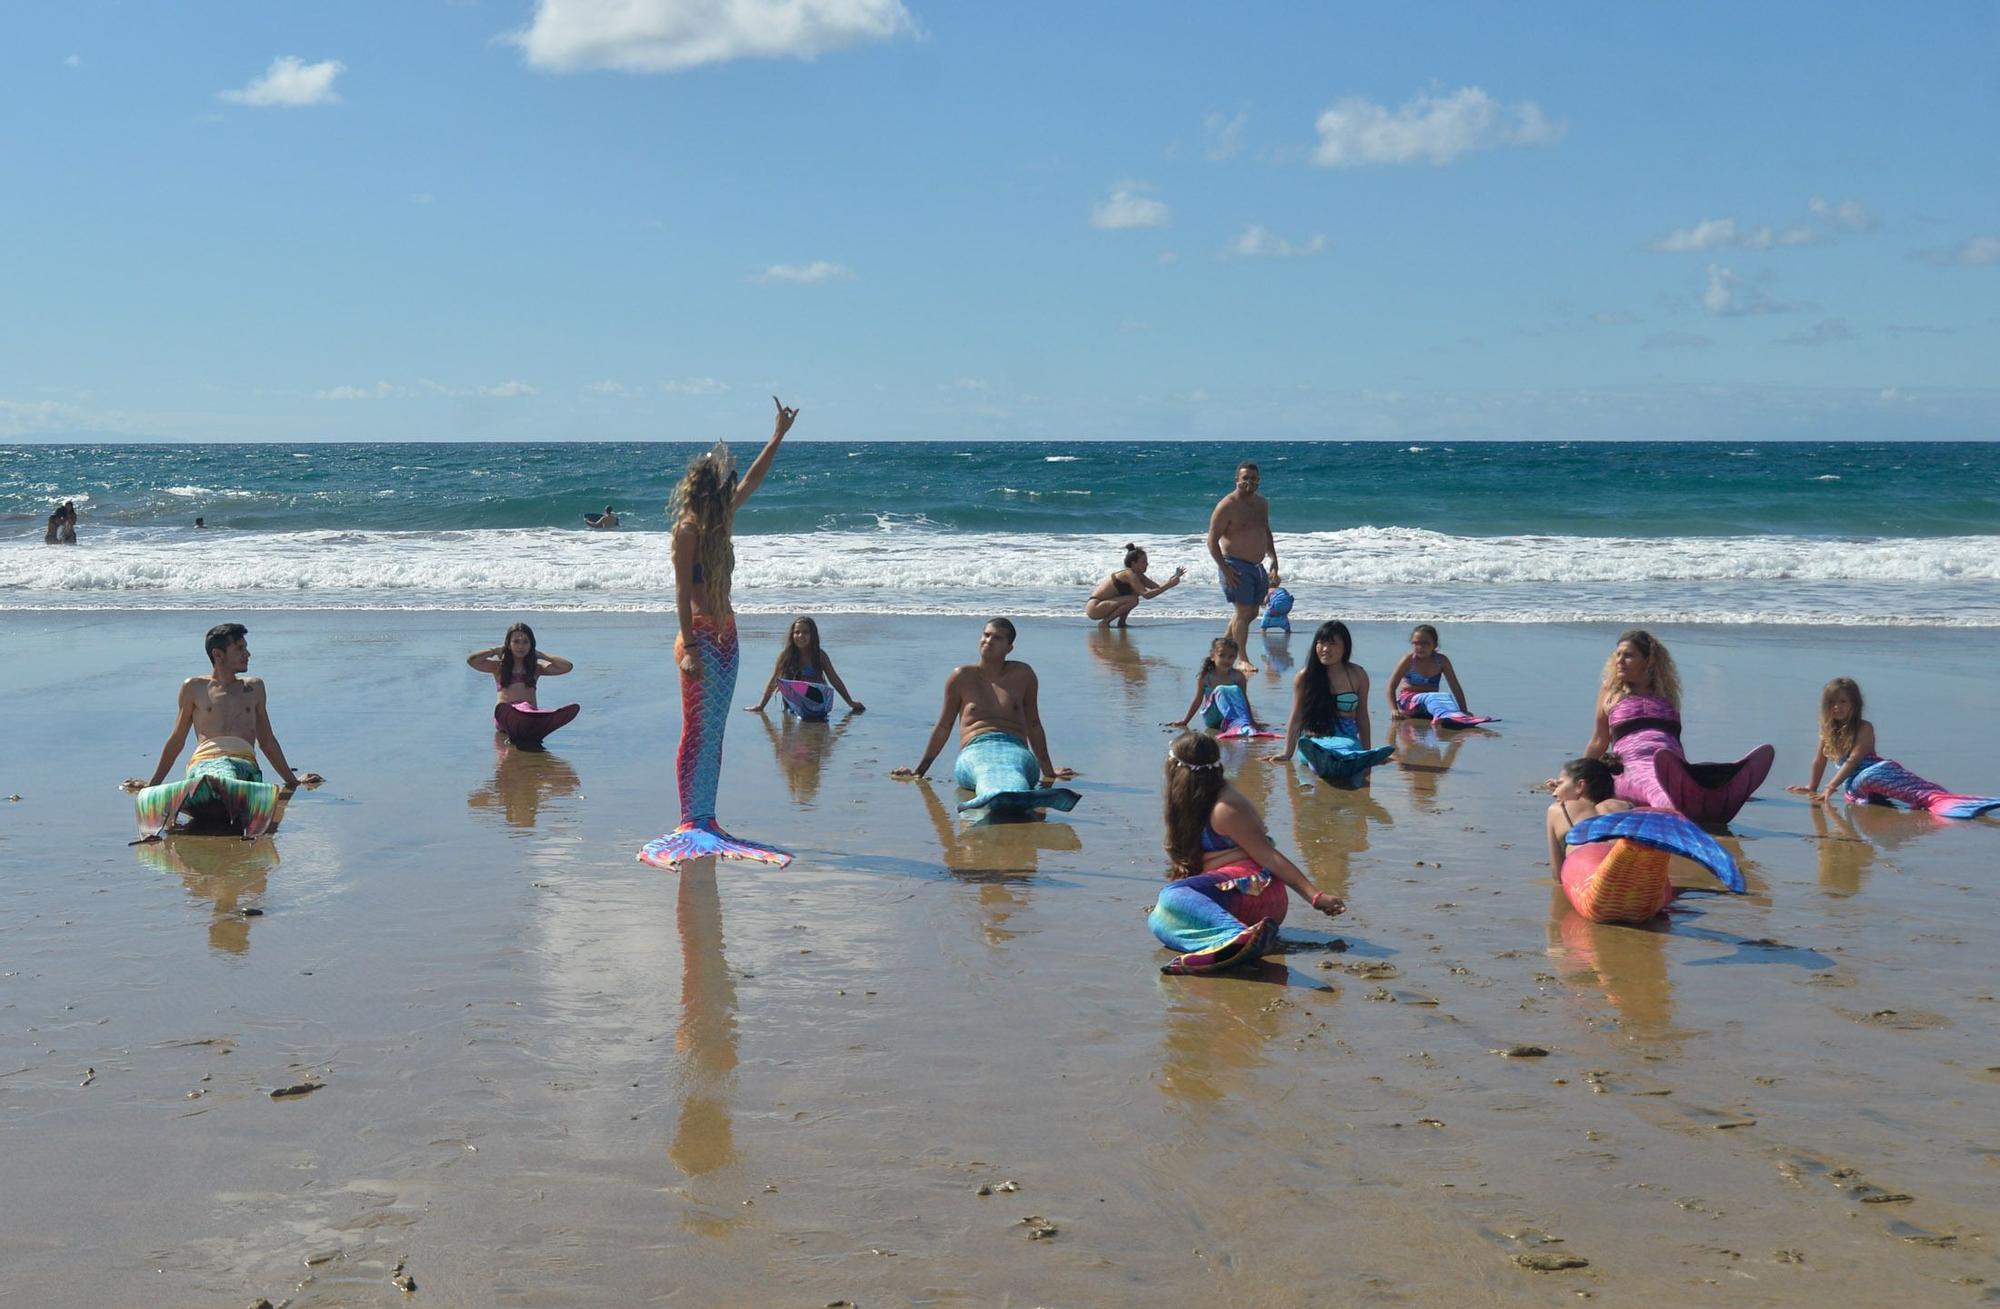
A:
[74,61]
[1129,207]
[665,36]
[1729,296]
[819,270]
[1429,129]
[1978,252]
[1721,233]
[1167,258]
[694,386]
[1222,137]
[379,391]
[22,417]
[1850,214]
[1259,242]
[607,387]
[290,83]
[422,198]
[1825,332]
[510,389]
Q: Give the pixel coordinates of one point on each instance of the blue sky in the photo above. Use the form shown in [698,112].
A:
[505,219]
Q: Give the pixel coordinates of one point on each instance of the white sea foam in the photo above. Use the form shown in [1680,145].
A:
[911,566]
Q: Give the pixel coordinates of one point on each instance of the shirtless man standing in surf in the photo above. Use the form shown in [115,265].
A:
[1002,748]
[227,713]
[1239,540]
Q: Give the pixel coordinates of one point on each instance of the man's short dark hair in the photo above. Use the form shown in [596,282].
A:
[1250,464]
[1005,626]
[221,636]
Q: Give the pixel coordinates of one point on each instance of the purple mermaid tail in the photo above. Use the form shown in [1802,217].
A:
[1880,781]
[1227,713]
[1441,707]
[1646,737]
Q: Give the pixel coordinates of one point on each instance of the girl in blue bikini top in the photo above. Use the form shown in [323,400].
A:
[803,660]
[1330,695]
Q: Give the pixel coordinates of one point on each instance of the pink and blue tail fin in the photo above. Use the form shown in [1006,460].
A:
[702,839]
[1882,780]
[1441,707]
[1963,806]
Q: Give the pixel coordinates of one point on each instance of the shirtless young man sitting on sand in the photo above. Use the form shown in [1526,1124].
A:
[227,712]
[1002,748]
[1239,540]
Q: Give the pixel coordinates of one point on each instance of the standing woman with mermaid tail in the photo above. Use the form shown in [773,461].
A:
[703,511]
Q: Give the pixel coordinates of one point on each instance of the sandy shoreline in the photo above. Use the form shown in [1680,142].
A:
[553,1076]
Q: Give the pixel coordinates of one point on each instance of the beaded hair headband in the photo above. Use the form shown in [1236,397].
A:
[1178,762]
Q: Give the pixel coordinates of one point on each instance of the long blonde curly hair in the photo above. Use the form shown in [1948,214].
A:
[706,501]
[1659,664]
[1836,740]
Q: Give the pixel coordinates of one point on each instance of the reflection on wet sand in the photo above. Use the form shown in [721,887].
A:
[1845,857]
[524,781]
[705,1040]
[1215,1031]
[1000,854]
[802,750]
[1423,755]
[1626,963]
[1115,649]
[1329,826]
[227,871]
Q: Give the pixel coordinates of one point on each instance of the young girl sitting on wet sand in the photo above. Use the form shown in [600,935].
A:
[1222,692]
[1416,687]
[1227,895]
[804,665]
[1848,740]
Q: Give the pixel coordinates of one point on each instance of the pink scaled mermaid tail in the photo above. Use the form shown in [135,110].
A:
[1879,781]
[1646,737]
[1226,710]
[705,705]
[1441,707]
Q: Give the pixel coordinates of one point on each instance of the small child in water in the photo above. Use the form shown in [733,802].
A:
[1218,668]
[1583,789]
[803,660]
[1847,740]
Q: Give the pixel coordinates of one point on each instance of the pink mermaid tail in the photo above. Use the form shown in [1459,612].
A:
[1226,710]
[1646,737]
[1881,781]
[1441,707]
[705,707]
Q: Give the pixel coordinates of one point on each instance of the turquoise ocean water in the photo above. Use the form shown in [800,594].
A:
[1785,532]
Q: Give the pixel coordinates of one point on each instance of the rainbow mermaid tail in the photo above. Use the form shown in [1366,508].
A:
[1004,776]
[1278,611]
[1341,758]
[1880,781]
[1219,919]
[1441,707]
[705,707]
[219,790]
[804,699]
[1227,713]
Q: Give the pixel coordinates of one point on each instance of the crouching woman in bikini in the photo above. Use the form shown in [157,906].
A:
[1119,594]
[1227,896]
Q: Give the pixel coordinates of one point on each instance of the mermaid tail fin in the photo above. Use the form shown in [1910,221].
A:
[1441,707]
[1962,806]
[1885,780]
[703,839]
[1339,758]
[1660,830]
[1712,793]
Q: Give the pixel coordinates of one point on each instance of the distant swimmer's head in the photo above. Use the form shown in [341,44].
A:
[608,511]
[1589,778]
[226,647]
[1194,778]
[1135,557]
[1640,665]
[998,637]
[200,523]
[1333,643]
[1247,478]
[1423,640]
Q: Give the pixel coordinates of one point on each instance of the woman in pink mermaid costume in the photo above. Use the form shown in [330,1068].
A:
[1639,720]
[703,511]
[1848,741]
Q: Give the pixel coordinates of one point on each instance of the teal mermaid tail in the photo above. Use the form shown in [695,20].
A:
[1341,758]
[1226,710]
[705,707]
[221,790]
[1004,776]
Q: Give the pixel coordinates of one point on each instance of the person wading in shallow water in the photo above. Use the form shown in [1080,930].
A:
[1239,540]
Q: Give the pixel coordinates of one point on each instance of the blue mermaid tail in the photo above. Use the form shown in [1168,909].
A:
[1218,919]
[1227,713]
[1341,758]
[1884,780]
[1004,776]
[1441,707]
[1661,829]
[1278,611]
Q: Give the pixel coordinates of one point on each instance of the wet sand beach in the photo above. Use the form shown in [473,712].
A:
[548,1075]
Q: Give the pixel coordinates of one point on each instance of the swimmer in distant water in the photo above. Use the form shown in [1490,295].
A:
[1239,540]
[607,519]
[200,523]
[1119,594]
[69,522]
[803,660]
[515,665]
